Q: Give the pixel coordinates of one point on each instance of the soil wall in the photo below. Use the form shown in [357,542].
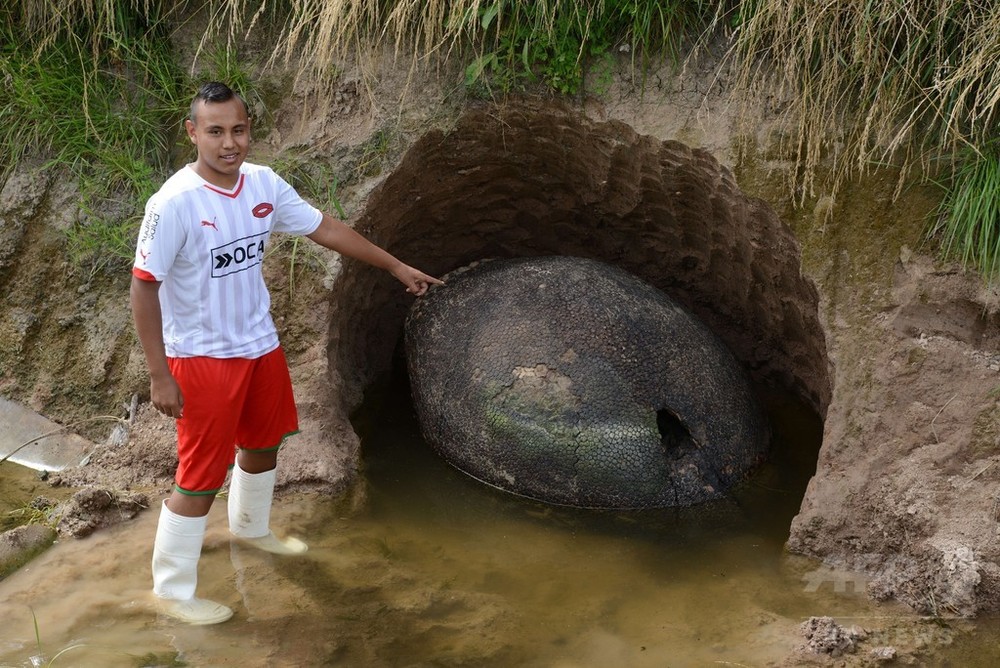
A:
[832,296]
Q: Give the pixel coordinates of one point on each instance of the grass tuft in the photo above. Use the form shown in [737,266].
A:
[968,221]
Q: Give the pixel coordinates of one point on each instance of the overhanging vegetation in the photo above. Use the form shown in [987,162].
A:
[92,85]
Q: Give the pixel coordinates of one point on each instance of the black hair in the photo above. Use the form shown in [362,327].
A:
[215,91]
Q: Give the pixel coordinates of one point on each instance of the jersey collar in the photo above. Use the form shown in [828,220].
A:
[234,193]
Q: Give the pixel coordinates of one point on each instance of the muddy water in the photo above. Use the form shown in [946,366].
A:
[18,486]
[420,565]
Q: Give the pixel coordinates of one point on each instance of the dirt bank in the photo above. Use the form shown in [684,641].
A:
[894,351]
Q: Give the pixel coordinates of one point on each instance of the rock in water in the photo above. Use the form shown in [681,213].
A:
[573,382]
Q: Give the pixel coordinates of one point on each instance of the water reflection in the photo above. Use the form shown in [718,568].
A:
[420,565]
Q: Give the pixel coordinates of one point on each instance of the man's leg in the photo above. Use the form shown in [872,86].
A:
[213,392]
[176,551]
[190,505]
[251,490]
[268,416]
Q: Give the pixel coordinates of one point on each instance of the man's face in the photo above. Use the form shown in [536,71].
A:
[221,133]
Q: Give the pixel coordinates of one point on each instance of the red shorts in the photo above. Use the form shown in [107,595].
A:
[229,404]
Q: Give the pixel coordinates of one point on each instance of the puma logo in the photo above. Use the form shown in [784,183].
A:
[206,223]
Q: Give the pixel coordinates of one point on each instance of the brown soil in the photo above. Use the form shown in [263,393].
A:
[904,484]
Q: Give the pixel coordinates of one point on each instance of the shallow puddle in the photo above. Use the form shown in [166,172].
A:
[422,566]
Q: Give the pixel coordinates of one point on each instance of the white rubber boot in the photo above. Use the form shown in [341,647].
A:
[175,570]
[249,506]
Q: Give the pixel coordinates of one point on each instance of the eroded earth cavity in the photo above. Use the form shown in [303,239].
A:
[540,180]
[572,382]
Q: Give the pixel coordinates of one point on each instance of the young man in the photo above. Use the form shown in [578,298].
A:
[201,311]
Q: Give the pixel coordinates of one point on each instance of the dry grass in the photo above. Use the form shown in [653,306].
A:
[875,82]
[913,83]
[884,73]
[318,35]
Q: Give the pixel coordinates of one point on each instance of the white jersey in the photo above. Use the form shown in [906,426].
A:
[206,245]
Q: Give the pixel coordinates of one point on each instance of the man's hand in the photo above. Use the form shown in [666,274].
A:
[416,282]
[165,395]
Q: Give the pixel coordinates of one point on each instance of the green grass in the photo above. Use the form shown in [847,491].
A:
[315,181]
[554,42]
[100,96]
[29,513]
[876,82]
[98,105]
[40,657]
[62,101]
[374,152]
[166,659]
[968,222]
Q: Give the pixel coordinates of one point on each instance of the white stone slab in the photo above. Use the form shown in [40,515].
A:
[51,449]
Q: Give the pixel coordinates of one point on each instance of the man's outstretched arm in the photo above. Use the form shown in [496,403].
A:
[337,236]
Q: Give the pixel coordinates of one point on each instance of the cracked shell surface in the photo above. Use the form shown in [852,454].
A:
[573,382]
